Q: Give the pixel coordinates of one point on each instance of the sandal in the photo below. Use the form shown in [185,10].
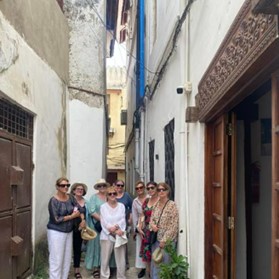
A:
[96,274]
[78,275]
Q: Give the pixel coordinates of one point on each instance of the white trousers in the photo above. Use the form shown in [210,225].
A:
[60,253]
[106,250]
[139,263]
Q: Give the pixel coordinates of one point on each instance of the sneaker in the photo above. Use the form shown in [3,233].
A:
[141,273]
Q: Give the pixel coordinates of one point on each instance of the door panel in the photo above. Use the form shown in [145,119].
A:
[23,230]
[5,162]
[275,175]
[23,158]
[5,247]
[216,193]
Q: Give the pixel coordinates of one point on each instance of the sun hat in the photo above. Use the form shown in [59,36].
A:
[88,234]
[157,255]
[74,186]
[101,181]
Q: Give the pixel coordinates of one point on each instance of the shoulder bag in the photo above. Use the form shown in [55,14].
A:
[153,235]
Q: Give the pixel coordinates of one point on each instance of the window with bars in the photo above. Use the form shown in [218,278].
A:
[169,156]
[151,160]
[15,120]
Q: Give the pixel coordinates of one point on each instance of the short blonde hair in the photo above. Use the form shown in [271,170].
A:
[111,189]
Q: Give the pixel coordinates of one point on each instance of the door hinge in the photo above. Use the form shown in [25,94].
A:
[229,129]
[230,223]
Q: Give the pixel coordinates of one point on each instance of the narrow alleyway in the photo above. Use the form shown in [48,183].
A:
[131,272]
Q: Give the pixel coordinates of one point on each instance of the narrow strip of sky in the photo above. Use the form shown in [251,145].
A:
[119,56]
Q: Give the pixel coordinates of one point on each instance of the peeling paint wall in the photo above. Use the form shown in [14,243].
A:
[29,82]
[87,90]
[87,43]
[44,27]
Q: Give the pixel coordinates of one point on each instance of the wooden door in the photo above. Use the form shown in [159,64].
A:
[275,176]
[220,198]
[16,133]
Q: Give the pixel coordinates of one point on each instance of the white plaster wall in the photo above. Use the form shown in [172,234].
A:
[86,144]
[32,84]
[209,22]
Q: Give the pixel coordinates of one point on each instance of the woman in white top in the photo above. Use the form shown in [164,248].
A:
[136,213]
[112,237]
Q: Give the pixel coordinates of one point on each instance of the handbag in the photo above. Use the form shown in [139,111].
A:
[153,235]
[98,226]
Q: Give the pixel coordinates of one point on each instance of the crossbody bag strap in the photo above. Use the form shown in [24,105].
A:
[162,212]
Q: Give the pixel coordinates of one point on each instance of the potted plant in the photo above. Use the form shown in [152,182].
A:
[178,266]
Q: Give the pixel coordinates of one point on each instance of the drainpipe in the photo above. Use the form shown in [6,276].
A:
[140,90]
[187,70]
[141,49]
[137,150]
[142,139]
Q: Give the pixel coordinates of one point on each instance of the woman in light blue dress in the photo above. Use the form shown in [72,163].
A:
[93,256]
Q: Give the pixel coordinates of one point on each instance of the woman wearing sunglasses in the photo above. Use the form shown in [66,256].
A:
[93,251]
[143,224]
[164,221]
[112,215]
[62,211]
[136,213]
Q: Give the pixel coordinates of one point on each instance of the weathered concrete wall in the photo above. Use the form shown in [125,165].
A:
[87,44]
[87,76]
[44,28]
[31,84]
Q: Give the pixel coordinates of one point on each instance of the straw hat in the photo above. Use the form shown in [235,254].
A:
[101,181]
[157,255]
[88,234]
[74,186]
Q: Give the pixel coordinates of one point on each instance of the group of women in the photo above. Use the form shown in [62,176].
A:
[110,211]
[153,213]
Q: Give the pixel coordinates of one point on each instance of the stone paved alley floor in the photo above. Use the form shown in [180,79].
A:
[131,272]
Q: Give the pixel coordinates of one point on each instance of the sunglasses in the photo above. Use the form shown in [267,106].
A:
[161,190]
[120,185]
[79,189]
[150,188]
[102,186]
[139,188]
[64,185]
[112,194]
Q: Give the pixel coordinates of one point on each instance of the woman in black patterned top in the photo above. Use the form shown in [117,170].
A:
[62,211]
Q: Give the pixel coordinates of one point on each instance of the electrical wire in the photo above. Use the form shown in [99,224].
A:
[114,37]
[174,41]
